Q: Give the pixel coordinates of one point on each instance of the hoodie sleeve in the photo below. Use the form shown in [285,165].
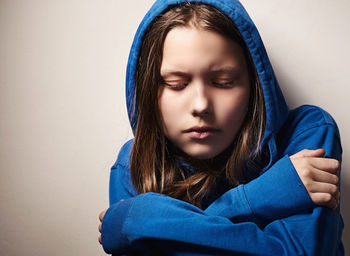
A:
[266,198]
[163,225]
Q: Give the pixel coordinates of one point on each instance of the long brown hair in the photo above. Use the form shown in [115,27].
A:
[155,164]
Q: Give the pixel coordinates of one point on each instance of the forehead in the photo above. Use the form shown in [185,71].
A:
[190,47]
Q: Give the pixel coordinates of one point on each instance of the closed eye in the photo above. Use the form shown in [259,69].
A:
[226,84]
[175,85]
[174,79]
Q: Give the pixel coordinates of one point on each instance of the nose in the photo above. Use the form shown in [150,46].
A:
[201,100]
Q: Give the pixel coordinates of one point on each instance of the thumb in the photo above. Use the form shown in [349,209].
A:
[310,153]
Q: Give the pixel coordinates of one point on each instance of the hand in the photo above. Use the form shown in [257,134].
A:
[319,176]
[100,216]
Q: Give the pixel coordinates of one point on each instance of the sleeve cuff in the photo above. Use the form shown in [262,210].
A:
[113,238]
[280,192]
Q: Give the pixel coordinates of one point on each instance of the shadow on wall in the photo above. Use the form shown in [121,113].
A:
[345,208]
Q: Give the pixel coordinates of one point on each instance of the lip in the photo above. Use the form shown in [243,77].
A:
[201,132]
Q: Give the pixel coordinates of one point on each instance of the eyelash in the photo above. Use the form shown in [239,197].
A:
[182,86]
[175,87]
[224,85]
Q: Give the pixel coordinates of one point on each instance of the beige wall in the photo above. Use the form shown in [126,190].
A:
[62,107]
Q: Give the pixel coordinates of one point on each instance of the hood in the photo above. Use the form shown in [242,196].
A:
[276,107]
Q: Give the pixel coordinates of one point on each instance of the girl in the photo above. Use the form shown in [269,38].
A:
[219,165]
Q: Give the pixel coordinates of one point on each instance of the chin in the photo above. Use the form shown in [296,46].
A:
[202,154]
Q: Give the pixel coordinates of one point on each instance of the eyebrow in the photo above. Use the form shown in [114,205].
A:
[224,70]
[174,72]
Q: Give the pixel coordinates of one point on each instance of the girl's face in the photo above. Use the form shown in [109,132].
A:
[204,92]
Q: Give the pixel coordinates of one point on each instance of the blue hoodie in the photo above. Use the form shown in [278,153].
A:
[271,215]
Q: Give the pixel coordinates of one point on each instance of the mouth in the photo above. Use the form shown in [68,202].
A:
[201,132]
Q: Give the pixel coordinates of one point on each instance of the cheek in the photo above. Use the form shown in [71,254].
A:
[168,109]
[232,109]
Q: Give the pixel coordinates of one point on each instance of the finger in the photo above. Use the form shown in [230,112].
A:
[100,227]
[325,199]
[310,153]
[100,239]
[325,177]
[101,215]
[328,194]
[313,152]
[320,187]
[325,164]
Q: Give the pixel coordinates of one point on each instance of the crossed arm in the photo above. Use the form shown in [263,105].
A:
[295,224]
